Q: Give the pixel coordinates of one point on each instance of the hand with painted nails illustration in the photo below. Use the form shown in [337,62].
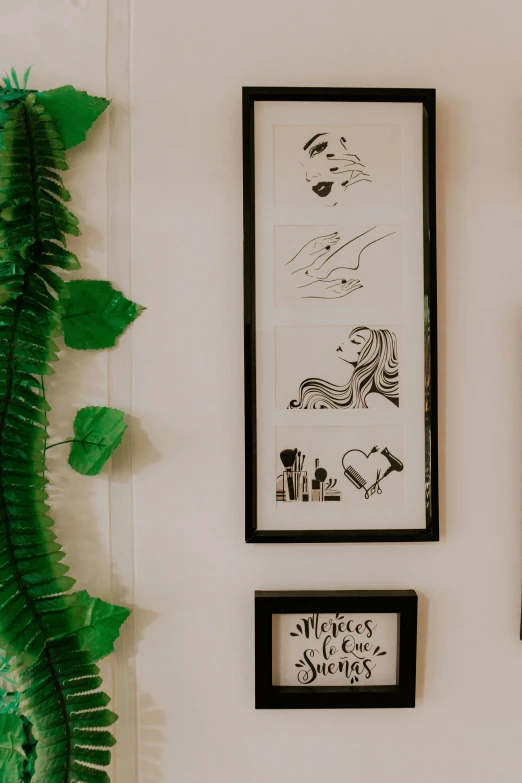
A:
[330,289]
[331,167]
[314,250]
[321,269]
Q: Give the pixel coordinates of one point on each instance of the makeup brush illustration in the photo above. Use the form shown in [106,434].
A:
[288,458]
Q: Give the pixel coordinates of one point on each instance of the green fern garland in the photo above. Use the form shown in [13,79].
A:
[52,637]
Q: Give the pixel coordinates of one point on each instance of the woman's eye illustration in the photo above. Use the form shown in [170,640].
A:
[318,148]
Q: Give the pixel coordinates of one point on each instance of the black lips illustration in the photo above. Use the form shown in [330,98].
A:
[323,189]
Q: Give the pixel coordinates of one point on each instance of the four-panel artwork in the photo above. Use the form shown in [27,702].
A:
[340,309]
[340,368]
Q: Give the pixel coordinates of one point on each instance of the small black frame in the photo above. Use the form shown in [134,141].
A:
[400,602]
[426,97]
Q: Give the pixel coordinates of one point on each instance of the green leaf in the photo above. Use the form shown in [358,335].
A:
[26,75]
[97,433]
[94,314]
[102,625]
[73,112]
[12,755]
[103,739]
[88,774]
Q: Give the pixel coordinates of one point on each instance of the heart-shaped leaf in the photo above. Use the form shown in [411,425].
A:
[97,433]
[73,111]
[94,314]
[102,624]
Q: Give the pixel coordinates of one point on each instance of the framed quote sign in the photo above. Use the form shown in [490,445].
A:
[340,315]
[335,649]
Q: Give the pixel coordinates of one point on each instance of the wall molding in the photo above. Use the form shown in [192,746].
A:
[119,268]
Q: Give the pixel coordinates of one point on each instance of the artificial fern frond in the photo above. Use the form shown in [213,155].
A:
[68,715]
[54,637]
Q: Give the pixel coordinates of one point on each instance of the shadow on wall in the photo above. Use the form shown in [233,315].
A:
[151,740]
[147,744]
[80,510]
[144,452]
[451,145]
[72,496]
[422,644]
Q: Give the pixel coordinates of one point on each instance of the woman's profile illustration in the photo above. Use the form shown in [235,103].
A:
[373,382]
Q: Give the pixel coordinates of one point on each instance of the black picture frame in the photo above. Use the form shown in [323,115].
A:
[426,97]
[404,603]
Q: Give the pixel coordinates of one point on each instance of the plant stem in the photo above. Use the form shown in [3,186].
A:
[60,443]
[74,440]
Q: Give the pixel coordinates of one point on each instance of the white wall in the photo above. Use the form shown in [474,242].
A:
[191,58]
[195,578]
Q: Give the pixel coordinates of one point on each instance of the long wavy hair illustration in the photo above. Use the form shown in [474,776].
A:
[376,370]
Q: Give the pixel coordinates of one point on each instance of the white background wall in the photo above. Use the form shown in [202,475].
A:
[196,659]
[194,577]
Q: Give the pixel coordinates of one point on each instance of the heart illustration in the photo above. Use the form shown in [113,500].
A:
[366,471]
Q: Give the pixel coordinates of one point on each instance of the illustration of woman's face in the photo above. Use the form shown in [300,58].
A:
[350,350]
[331,167]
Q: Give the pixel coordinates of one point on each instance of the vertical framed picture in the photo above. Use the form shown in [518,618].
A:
[339,649]
[340,315]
